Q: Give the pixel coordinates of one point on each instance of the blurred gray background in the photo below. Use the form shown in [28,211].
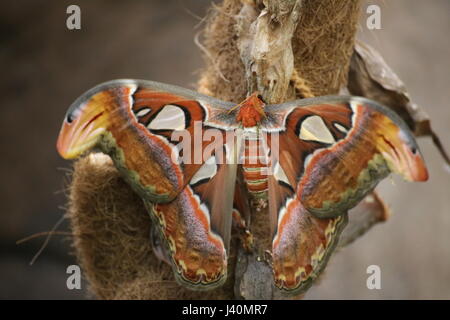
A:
[45,67]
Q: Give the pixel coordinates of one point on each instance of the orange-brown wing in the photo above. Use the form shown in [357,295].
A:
[196,226]
[242,211]
[327,154]
[141,125]
[302,246]
[302,243]
[336,149]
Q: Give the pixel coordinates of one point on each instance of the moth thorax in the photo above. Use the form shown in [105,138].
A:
[251,111]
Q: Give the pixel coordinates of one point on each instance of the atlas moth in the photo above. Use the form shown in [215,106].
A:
[331,152]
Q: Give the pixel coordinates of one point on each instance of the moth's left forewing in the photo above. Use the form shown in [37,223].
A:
[355,144]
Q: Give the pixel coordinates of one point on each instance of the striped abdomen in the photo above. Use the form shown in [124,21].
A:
[254,164]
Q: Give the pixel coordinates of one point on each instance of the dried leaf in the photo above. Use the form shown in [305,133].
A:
[371,77]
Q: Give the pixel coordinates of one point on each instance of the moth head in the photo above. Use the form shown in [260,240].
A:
[257,101]
[251,110]
[84,125]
